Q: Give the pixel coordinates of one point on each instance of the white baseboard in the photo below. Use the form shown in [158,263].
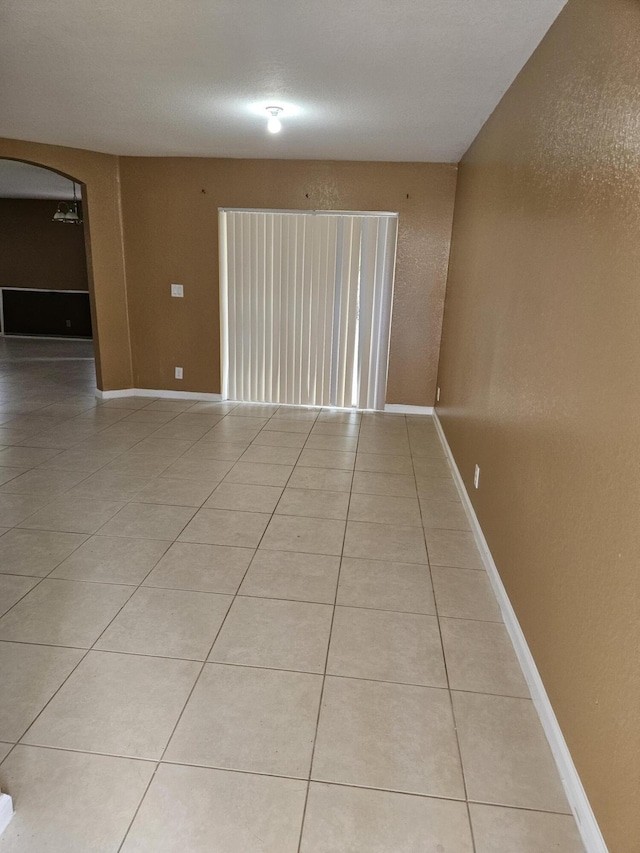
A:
[149,392]
[576,795]
[408,410]
[6,811]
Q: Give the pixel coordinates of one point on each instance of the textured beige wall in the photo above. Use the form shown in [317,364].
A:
[103,241]
[540,379]
[170,208]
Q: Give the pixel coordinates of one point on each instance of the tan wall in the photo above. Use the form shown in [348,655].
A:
[170,208]
[540,379]
[103,238]
[36,252]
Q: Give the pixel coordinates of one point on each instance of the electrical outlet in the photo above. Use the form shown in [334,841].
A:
[177,290]
[438,394]
[476,477]
[178,373]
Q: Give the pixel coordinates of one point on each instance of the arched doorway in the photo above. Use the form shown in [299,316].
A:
[46,303]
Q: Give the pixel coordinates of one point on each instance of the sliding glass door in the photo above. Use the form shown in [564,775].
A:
[305,304]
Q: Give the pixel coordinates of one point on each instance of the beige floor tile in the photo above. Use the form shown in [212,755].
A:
[118,704]
[255,410]
[139,464]
[259,474]
[41,481]
[480,658]
[371,483]
[341,460]
[36,552]
[385,586]
[455,548]
[336,428]
[199,810]
[8,474]
[238,421]
[12,588]
[5,749]
[204,568]
[110,485]
[29,676]
[209,471]
[62,797]
[72,515]
[16,508]
[343,443]
[87,461]
[382,463]
[288,575]
[63,613]
[500,830]
[325,479]
[111,559]
[446,514]
[215,450]
[313,503]
[436,488]
[149,521]
[427,466]
[464,594]
[271,438]
[385,509]
[395,736]
[385,542]
[304,535]
[173,623]
[173,492]
[230,435]
[175,431]
[240,718]
[386,646]
[429,447]
[506,758]
[244,497]
[287,425]
[270,454]
[226,527]
[175,406]
[276,634]
[338,818]
[25,457]
[163,447]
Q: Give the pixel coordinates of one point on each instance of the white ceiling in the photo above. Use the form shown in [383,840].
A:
[22,180]
[362,79]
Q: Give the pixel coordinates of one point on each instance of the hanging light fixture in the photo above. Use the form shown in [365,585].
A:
[274,124]
[68,211]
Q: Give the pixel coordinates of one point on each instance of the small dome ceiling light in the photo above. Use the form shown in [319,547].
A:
[274,124]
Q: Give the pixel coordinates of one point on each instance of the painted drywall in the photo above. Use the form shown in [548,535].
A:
[539,373]
[36,252]
[170,209]
[103,242]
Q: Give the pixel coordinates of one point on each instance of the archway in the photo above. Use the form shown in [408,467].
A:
[99,176]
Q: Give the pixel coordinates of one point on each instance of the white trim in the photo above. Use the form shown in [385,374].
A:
[149,392]
[576,795]
[408,410]
[6,811]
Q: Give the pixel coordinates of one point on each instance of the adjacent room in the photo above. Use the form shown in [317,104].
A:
[318,458]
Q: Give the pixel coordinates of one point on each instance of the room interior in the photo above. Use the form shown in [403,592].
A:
[513,319]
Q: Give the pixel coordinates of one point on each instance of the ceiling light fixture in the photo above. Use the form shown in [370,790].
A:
[274,124]
[68,212]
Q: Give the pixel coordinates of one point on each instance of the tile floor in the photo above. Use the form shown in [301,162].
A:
[249,629]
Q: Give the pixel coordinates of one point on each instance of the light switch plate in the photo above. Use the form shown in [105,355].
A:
[177,290]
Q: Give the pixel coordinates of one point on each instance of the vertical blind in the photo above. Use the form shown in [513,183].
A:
[306,306]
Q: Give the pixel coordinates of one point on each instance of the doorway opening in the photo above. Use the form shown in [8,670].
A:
[305,302]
